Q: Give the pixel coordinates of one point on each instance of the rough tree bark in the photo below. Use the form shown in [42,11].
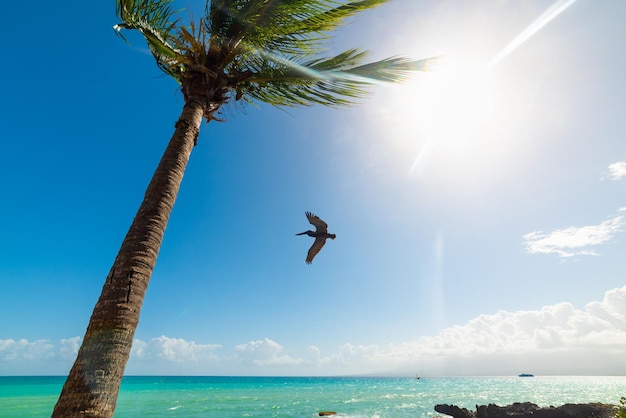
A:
[93,383]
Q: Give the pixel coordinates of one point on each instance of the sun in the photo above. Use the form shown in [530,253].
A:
[454,100]
[447,105]
[454,131]
[444,114]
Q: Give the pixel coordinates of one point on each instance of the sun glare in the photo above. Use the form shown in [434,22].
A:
[444,122]
[454,101]
[451,104]
[442,110]
[462,123]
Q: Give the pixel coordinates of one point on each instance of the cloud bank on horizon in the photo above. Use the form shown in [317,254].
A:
[555,340]
[576,241]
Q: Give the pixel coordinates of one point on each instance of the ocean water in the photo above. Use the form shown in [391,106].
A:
[355,397]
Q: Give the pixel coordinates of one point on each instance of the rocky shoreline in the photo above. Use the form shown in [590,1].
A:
[531,410]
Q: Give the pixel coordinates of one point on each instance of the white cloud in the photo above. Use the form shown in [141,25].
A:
[23,357]
[23,350]
[574,241]
[69,347]
[264,352]
[173,350]
[557,339]
[617,170]
[166,355]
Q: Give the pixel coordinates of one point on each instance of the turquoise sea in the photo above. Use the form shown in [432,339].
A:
[371,397]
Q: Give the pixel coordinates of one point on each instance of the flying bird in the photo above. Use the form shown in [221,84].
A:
[320,234]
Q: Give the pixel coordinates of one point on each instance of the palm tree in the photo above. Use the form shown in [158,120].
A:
[251,50]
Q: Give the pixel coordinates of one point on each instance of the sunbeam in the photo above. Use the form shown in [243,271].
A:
[461,97]
[546,17]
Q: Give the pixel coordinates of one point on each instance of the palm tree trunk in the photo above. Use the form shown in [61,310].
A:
[93,383]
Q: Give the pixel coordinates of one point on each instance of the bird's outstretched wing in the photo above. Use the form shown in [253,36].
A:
[315,248]
[320,226]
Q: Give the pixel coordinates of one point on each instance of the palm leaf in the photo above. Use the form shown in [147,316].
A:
[335,81]
[155,20]
[289,27]
[390,70]
[264,49]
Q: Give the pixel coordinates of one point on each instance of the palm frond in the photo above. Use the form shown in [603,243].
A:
[263,49]
[289,27]
[328,20]
[391,70]
[335,81]
[155,20]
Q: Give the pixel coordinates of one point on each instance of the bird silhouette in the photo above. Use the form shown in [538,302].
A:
[320,234]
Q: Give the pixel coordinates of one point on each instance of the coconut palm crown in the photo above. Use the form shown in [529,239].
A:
[251,50]
[262,50]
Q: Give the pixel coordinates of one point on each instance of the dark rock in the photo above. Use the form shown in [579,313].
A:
[589,410]
[454,411]
[530,410]
[327,413]
[518,409]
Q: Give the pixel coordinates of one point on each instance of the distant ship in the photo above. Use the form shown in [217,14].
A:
[525,375]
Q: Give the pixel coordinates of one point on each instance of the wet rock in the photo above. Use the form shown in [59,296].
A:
[530,410]
[589,410]
[518,409]
[454,411]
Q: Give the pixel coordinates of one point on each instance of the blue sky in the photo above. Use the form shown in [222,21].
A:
[479,209]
